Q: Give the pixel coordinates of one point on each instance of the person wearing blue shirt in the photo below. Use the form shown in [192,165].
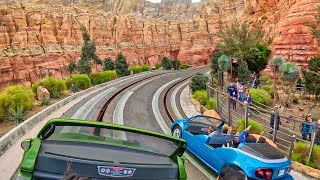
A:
[231,89]
[244,134]
[306,128]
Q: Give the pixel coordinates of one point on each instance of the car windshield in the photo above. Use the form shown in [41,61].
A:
[206,120]
[113,138]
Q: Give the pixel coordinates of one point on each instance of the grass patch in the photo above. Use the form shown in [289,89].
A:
[301,152]
[211,104]
[184,66]
[135,69]
[145,68]
[13,98]
[256,128]
[261,96]
[158,66]
[102,77]
[81,81]
[200,95]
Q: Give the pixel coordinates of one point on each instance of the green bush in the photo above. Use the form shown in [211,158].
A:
[158,66]
[256,128]
[15,97]
[55,86]
[265,79]
[211,104]
[135,69]
[81,81]
[269,89]
[295,100]
[166,63]
[261,96]
[145,67]
[201,95]
[301,152]
[175,64]
[184,66]
[198,82]
[102,77]
[17,115]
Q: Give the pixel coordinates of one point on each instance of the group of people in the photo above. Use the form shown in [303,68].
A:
[236,94]
[306,128]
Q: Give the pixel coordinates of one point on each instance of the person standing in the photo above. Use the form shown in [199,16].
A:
[231,89]
[247,98]
[234,101]
[272,119]
[306,128]
[317,139]
[239,90]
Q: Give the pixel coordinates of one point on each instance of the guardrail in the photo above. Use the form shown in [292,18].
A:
[285,137]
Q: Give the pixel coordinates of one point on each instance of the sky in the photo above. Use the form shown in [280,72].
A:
[157,1]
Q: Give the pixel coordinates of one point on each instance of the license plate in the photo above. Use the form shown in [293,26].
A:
[281,172]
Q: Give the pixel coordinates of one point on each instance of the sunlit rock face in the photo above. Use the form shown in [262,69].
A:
[40,37]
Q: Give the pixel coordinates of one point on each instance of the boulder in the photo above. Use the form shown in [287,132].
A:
[42,93]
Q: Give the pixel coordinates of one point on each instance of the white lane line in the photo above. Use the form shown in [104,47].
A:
[119,110]
[84,110]
[173,100]
[166,129]
[156,109]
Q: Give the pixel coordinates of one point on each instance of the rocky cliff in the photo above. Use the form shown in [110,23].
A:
[39,37]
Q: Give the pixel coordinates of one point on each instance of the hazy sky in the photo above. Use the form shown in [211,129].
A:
[157,1]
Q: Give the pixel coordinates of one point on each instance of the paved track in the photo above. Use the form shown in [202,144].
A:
[133,107]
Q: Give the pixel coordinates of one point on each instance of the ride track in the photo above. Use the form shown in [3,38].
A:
[104,110]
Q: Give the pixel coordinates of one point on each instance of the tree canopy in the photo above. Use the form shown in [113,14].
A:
[244,43]
[121,65]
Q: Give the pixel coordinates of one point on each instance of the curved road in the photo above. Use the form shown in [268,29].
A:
[133,107]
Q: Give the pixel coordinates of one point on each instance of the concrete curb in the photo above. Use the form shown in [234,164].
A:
[14,134]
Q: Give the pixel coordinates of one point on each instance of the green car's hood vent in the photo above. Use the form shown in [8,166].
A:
[97,160]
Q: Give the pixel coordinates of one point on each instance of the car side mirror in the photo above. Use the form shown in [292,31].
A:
[26,144]
[185,161]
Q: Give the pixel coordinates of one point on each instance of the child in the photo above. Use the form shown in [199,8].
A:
[234,101]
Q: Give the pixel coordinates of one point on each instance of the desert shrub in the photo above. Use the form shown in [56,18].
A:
[158,66]
[55,86]
[135,69]
[166,63]
[17,115]
[102,77]
[175,64]
[198,82]
[211,104]
[45,101]
[261,96]
[265,79]
[301,152]
[200,95]
[81,81]
[15,97]
[256,128]
[295,100]
[184,66]
[269,89]
[145,67]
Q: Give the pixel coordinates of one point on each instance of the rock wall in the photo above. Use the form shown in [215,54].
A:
[39,37]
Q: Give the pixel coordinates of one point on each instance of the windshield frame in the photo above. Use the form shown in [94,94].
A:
[48,130]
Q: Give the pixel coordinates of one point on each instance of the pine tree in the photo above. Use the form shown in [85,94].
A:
[175,63]
[243,72]
[121,65]
[108,64]
[214,62]
[72,66]
[88,54]
[166,63]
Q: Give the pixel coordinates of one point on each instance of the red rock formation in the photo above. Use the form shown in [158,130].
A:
[36,43]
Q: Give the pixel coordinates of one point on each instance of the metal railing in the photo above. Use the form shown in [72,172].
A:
[285,137]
